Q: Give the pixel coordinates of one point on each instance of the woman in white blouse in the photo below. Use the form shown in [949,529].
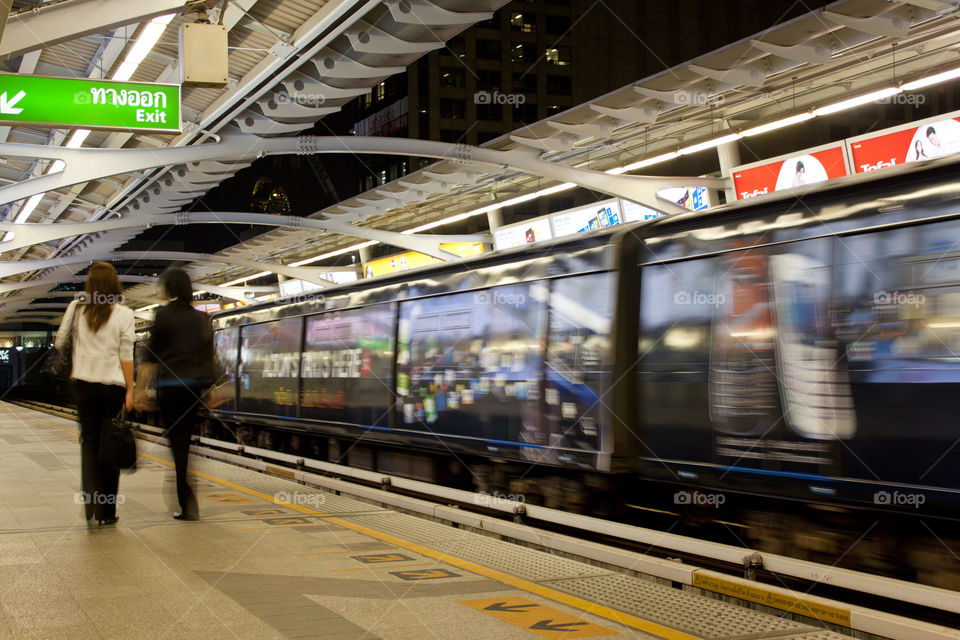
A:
[102,370]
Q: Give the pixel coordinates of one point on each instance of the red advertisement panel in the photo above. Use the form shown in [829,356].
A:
[794,171]
[922,142]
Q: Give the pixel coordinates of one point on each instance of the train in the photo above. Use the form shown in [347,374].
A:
[789,364]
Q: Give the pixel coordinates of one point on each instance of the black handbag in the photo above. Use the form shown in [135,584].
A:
[118,446]
[59,362]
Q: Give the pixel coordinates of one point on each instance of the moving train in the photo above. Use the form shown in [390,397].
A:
[791,364]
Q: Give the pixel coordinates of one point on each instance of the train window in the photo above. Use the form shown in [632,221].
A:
[225,344]
[677,303]
[578,361]
[900,304]
[269,367]
[476,373]
[348,366]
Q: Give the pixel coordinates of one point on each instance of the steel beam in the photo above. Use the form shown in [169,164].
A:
[45,26]
[30,233]
[310,274]
[83,165]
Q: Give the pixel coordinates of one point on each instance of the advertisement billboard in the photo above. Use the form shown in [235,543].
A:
[923,140]
[413,259]
[786,172]
[596,216]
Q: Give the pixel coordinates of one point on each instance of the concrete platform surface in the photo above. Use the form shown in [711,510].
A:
[271,559]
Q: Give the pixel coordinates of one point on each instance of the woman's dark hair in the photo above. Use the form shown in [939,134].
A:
[176,285]
[800,166]
[103,290]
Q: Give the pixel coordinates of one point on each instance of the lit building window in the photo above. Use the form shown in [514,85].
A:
[522,23]
[559,56]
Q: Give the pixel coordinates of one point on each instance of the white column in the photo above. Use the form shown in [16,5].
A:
[495,219]
[729,154]
[364,253]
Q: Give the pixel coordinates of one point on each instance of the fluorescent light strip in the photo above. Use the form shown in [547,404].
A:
[148,307]
[709,144]
[930,80]
[856,102]
[244,279]
[331,254]
[654,160]
[777,124]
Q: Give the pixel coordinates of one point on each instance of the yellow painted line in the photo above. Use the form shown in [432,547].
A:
[385,567]
[544,621]
[651,509]
[620,617]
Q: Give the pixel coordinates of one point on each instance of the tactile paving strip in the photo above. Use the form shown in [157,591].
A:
[816,635]
[690,612]
[522,562]
[410,528]
[529,564]
[317,499]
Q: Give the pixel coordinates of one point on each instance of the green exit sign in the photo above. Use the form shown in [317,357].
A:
[93,104]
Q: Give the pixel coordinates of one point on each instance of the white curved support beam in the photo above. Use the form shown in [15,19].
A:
[235,293]
[421,12]
[640,115]
[309,274]
[31,233]
[84,165]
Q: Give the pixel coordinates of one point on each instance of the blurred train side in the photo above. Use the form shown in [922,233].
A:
[803,347]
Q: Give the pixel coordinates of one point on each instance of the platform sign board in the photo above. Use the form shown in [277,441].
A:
[93,104]
[920,140]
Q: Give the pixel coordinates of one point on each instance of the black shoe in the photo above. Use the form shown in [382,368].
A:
[106,521]
[180,515]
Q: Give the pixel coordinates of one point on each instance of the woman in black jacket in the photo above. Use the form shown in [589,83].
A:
[179,357]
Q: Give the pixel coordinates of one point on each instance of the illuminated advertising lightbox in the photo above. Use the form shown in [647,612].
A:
[633,212]
[923,140]
[693,198]
[207,307]
[524,233]
[786,172]
[596,216]
[414,259]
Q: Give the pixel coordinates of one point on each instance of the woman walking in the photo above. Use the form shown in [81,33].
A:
[102,370]
[180,357]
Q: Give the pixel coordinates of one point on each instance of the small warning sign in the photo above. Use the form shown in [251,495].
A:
[544,621]
[424,574]
[382,557]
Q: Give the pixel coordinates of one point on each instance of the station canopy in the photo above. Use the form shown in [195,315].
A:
[342,48]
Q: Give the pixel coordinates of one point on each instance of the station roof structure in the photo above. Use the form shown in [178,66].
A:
[851,49]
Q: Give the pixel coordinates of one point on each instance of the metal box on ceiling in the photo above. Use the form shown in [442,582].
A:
[203,55]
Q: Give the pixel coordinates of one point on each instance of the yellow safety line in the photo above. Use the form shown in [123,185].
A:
[524,585]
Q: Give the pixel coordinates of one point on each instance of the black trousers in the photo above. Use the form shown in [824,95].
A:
[97,404]
[178,405]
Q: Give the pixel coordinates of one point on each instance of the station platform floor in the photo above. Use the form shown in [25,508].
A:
[271,559]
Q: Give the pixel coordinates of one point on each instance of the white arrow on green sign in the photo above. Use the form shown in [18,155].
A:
[94,104]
